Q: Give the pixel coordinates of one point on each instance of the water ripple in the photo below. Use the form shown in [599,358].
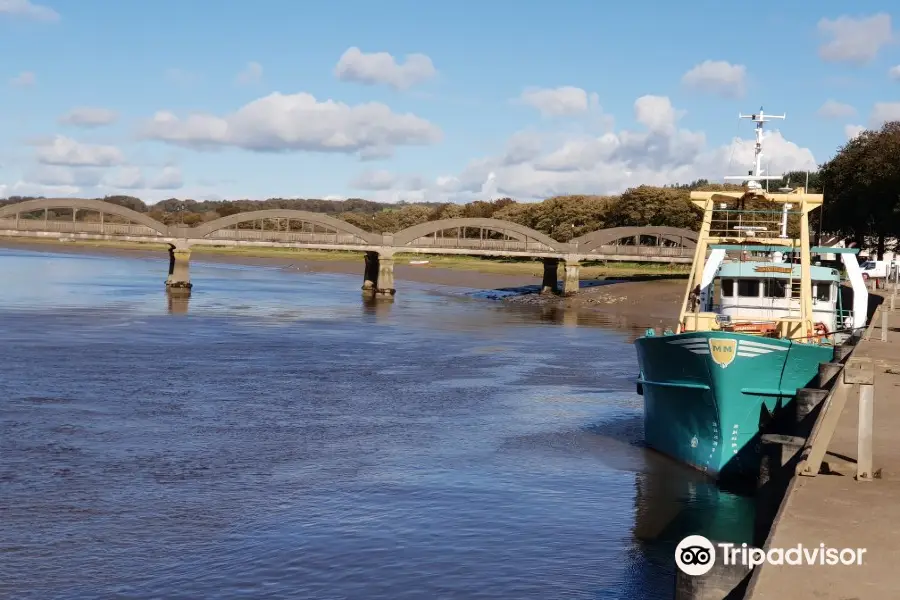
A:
[276,436]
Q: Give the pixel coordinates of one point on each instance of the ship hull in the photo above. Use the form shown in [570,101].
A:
[707,393]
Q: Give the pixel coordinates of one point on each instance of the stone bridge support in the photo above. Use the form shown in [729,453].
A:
[571,279]
[179,279]
[370,273]
[550,283]
[378,277]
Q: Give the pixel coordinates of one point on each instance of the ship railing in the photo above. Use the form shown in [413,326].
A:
[752,224]
[843,318]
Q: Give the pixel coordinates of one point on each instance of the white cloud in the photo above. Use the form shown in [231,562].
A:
[374,180]
[64,151]
[558,102]
[659,153]
[389,187]
[578,153]
[251,74]
[855,40]
[718,77]
[522,147]
[894,73]
[298,122]
[656,113]
[26,188]
[833,109]
[169,179]
[28,10]
[381,68]
[132,178]
[882,112]
[125,178]
[489,189]
[64,176]
[88,117]
[57,181]
[24,79]
[851,131]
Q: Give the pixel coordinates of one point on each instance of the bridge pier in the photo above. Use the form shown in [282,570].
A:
[571,281]
[370,274]
[179,267]
[378,277]
[550,284]
[385,284]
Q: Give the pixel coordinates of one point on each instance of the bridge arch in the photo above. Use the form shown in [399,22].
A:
[521,233]
[208,228]
[102,206]
[685,238]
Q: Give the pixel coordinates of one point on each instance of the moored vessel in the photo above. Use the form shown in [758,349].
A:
[756,321]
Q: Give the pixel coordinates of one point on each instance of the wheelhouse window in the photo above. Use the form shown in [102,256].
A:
[822,291]
[775,288]
[748,288]
[727,288]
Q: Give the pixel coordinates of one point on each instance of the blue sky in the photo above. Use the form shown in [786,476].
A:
[201,99]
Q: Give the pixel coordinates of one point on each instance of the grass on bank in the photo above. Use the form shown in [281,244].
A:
[499,265]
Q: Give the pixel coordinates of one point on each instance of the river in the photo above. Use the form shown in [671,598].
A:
[277,437]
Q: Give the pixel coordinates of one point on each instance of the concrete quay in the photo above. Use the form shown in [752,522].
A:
[839,511]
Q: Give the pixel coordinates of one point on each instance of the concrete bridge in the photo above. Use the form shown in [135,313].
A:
[100,220]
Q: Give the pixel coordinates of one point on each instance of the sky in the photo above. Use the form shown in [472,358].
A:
[427,101]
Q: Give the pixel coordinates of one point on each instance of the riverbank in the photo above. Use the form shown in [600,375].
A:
[641,294]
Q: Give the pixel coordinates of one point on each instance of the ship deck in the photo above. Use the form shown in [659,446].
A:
[839,511]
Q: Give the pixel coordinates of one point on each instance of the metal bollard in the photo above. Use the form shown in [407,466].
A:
[864,441]
[884,325]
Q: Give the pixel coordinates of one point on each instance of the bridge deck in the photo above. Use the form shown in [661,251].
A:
[325,232]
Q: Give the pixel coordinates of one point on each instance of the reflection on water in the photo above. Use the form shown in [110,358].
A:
[284,436]
[179,301]
[377,306]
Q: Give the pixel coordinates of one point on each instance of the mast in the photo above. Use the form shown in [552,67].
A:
[755,176]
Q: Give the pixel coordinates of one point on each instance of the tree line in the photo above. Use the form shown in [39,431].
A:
[561,217]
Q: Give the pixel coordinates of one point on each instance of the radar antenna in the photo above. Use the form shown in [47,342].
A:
[754,177]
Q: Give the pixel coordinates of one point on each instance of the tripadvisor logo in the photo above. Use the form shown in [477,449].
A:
[695,555]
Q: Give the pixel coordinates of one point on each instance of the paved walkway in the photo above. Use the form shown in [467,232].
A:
[842,513]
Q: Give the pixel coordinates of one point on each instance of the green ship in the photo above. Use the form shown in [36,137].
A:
[756,321]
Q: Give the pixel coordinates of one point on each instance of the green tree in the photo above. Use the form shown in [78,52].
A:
[131,202]
[646,205]
[228,208]
[385,222]
[447,211]
[412,214]
[861,184]
[364,222]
